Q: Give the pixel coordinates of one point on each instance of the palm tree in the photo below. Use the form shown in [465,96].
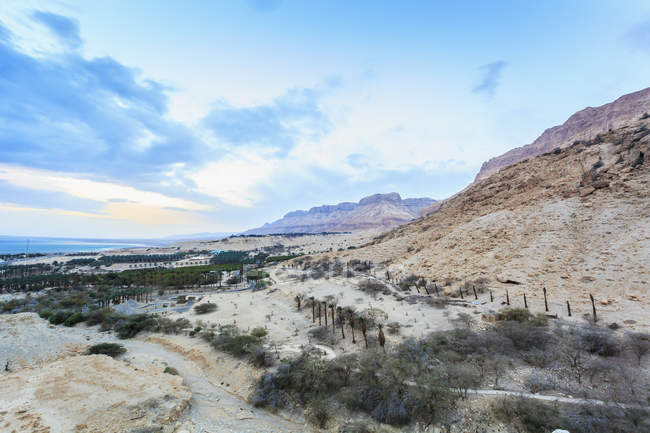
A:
[341,322]
[381,338]
[351,322]
[319,321]
[364,330]
[325,307]
[333,320]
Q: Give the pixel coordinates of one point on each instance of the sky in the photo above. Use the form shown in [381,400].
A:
[153,118]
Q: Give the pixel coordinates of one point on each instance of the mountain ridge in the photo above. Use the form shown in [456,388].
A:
[377,211]
[585,124]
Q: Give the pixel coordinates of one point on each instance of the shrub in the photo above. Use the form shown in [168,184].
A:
[110,349]
[537,382]
[207,307]
[515,314]
[373,287]
[169,326]
[530,415]
[318,414]
[170,370]
[132,325]
[45,314]
[259,332]
[599,342]
[74,318]
[59,317]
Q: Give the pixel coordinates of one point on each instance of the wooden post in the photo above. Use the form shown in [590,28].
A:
[507,298]
[325,313]
[568,307]
[475,295]
[313,310]
[593,307]
[545,300]
[491,297]
[435,288]
[319,320]
[333,321]
[461,292]
[525,302]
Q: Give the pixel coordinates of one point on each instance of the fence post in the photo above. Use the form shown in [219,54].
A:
[475,295]
[545,301]
[593,307]
[491,297]
[525,302]
[507,298]
[568,307]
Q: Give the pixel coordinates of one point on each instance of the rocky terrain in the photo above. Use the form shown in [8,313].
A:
[575,220]
[583,125]
[379,211]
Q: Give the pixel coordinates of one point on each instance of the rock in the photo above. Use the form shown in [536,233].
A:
[600,184]
[586,191]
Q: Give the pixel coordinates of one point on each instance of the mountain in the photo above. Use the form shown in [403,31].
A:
[378,211]
[574,220]
[583,125]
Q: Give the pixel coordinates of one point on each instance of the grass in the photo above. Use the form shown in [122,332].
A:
[110,349]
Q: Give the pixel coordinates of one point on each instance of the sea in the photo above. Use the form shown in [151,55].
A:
[51,245]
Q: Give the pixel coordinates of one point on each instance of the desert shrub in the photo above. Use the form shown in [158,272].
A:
[74,318]
[259,332]
[110,349]
[195,331]
[393,328]
[170,370]
[318,414]
[515,314]
[373,287]
[528,415]
[524,336]
[356,427]
[59,317]
[169,326]
[599,341]
[45,314]
[261,357]
[537,382]
[230,340]
[130,326]
[323,335]
[232,280]
[96,317]
[538,357]
[207,307]
[639,344]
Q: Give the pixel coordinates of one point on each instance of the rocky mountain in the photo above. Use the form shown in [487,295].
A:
[583,125]
[574,220]
[378,211]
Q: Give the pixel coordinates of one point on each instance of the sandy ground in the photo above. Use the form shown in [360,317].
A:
[52,388]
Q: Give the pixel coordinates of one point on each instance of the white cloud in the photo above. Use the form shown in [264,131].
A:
[235,179]
[89,189]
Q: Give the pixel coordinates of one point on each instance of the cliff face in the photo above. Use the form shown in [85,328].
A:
[378,211]
[583,125]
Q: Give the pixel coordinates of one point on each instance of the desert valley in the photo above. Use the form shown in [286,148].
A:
[275,216]
[518,304]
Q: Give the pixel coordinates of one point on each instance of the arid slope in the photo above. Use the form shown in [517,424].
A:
[576,221]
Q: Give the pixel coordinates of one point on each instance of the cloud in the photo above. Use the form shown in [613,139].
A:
[491,75]
[67,183]
[67,113]
[638,37]
[277,126]
[64,28]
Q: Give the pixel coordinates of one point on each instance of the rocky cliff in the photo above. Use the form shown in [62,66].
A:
[583,125]
[378,211]
[574,220]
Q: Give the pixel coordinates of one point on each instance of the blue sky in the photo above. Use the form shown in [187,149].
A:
[150,118]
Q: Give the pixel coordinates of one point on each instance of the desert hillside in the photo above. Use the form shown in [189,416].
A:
[583,125]
[575,220]
[378,211]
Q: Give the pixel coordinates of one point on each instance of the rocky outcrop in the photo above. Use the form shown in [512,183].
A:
[378,211]
[583,125]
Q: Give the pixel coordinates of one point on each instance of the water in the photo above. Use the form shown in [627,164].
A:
[18,244]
